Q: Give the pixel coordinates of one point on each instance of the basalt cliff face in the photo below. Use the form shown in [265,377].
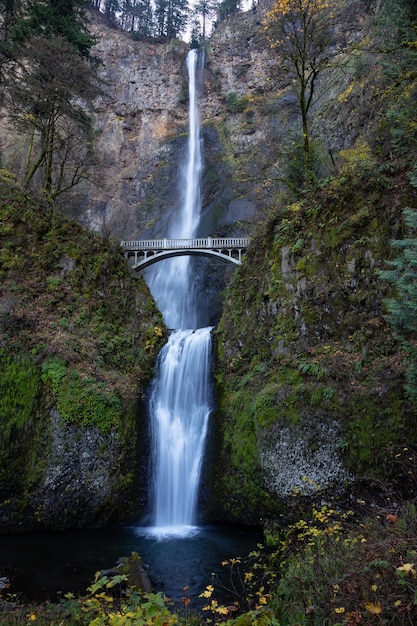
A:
[247,116]
[141,123]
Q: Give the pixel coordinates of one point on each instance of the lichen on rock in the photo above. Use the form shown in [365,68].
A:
[302,459]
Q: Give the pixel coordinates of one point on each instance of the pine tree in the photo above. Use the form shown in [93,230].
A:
[111,8]
[171,17]
[397,43]
[50,18]
[227,7]
[402,310]
[8,9]
[205,10]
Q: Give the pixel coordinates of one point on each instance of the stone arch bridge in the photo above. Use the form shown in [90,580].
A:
[145,252]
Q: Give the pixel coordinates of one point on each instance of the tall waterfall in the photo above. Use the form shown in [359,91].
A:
[180,397]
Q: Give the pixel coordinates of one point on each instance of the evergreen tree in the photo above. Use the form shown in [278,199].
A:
[111,8]
[127,17]
[160,15]
[49,18]
[8,9]
[196,36]
[402,310]
[171,17]
[143,18]
[227,7]
[205,10]
[397,43]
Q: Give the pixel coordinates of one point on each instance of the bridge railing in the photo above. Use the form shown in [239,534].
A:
[175,244]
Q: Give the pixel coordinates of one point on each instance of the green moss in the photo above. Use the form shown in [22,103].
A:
[81,399]
[235,104]
[373,433]
[265,405]
[20,391]
[19,394]
[80,333]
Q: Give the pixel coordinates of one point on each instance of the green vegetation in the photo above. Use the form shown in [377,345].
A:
[402,310]
[338,570]
[19,393]
[317,324]
[309,307]
[48,97]
[235,104]
[316,345]
[57,19]
[82,399]
[19,400]
[318,329]
[69,298]
[79,335]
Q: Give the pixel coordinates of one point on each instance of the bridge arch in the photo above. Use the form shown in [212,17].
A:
[143,253]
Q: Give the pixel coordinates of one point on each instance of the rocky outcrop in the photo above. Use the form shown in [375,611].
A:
[248,116]
[141,122]
[83,481]
[138,120]
[79,336]
[310,376]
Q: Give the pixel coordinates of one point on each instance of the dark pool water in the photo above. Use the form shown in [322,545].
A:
[46,565]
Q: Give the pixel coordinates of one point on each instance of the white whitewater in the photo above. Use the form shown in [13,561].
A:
[180,410]
[170,280]
[180,398]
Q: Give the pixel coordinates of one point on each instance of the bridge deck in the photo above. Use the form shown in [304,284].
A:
[201,243]
[145,252]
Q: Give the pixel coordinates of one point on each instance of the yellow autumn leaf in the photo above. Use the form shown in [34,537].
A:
[407,568]
[104,596]
[374,609]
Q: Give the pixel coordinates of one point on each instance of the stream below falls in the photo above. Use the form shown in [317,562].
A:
[45,566]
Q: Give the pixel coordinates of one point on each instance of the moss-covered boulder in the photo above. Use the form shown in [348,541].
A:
[310,376]
[79,335]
